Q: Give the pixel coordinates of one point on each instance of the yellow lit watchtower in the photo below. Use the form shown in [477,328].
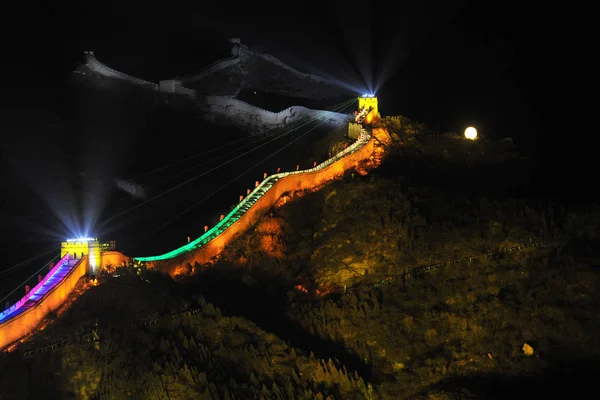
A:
[78,248]
[368,100]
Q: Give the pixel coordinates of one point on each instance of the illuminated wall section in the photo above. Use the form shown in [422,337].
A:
[77,248]
[354,130]
[94,257]
[257,203]
[44,298]
[369,102]
[112,259]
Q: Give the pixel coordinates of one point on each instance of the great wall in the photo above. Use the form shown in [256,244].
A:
[51,292]
[227,109]
[264,196]
[241,53]
[20,320]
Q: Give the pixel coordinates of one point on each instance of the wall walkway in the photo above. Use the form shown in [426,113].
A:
[241,52]
[258,202]
[45,297]
[95,65]
[255,116]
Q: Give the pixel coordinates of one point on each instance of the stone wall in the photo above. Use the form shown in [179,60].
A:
[290,182]
[41,283]
[354,130]
[95,65]
[249,116]
[246,69]
[114,259]
[240,52]
[174,86]
[22,324]
[211,69]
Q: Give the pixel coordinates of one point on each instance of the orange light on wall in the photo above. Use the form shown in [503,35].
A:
[314,164]
[15,328]
[205,228]
[112,258]
[278,169]
[291,185]
[256,184]
[222,216]
[301,288]
[265,175]
[297,167]
[248,192]
[241,198]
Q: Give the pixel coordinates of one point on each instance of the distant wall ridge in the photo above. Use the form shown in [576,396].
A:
[96,65]
[236,110]
[241,52]
[231,106]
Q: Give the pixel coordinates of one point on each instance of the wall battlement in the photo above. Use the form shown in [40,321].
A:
[36,309]
[229,230]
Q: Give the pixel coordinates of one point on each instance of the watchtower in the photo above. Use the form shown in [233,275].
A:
[368,100]
[91,247]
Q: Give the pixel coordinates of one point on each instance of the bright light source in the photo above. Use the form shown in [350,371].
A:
[368,95]
[83,239]
[471,133]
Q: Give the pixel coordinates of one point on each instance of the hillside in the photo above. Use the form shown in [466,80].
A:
[334,294]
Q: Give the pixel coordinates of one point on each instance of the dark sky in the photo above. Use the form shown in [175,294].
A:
[500,66]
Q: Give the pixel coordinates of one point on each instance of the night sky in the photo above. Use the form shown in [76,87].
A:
[447,63]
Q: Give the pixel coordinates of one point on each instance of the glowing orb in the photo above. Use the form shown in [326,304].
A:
[471,133]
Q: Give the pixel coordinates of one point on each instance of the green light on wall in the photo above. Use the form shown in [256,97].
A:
[246,203]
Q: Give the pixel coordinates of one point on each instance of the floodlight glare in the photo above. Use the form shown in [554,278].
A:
[82,239]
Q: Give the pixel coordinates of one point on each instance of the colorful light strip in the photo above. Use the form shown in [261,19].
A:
[44,286]
[248,202]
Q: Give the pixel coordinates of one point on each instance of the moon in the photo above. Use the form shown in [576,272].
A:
[471,133]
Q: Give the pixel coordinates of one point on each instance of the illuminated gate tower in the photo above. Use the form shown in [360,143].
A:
[367,111]
[367,101]
[91,247]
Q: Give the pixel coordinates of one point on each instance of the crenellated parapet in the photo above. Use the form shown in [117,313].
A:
[259,201]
